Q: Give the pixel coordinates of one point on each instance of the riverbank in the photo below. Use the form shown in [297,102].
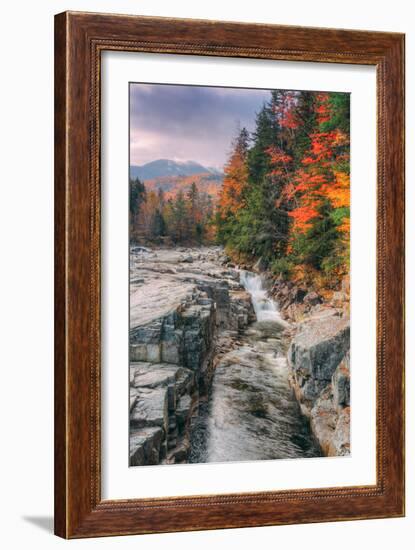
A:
[186,311]
[214,365]
[319,357]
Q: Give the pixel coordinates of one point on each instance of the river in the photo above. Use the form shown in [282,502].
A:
[251,412]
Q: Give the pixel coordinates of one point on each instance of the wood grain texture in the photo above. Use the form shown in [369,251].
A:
[79,40]
[60,277]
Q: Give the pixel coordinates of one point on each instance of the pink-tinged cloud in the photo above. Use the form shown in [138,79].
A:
[189,122]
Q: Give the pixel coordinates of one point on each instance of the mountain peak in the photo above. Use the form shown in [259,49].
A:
[167,167]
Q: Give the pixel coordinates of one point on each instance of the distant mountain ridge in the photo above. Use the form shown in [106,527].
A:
[164,168]
[207,183]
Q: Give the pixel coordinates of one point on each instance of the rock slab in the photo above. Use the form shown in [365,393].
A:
[320,375]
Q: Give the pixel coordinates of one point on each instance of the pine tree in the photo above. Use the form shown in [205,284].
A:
[179,215]
[288,200]
[266,222]
[319,192]
[192,217]
[158,227]
[137,195]
[137,198]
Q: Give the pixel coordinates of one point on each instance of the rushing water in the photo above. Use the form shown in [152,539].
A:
[265,308]
[252,413]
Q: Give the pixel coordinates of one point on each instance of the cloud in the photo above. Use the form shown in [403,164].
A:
[189,122]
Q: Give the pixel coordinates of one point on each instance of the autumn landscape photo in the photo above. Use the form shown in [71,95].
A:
[239,323]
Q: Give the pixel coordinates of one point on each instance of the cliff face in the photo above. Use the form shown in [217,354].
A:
[181,337]
[318,357]
[162,398]
[330,415]
[173,347]
[320,375]
[187,314]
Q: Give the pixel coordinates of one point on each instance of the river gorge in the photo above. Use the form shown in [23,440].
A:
[228,364]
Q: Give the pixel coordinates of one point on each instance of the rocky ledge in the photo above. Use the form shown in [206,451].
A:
[178,299]
[318,357]
[163,398]
[320,375]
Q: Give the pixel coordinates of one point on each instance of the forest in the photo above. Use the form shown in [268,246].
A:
[157,218]
[285,196]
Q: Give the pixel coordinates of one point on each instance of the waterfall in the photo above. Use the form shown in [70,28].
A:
[265,308]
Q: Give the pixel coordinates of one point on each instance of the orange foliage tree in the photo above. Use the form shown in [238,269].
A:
[317,189]
[235,179]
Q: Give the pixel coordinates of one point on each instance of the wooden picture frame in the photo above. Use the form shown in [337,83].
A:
[79,40]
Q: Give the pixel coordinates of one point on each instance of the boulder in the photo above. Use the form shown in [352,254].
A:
[331,426]
[240,311]
[155,376]
[185,382]
[340,442]
[177,300]
[152,375]
[153,353]
[297,294]
[318,348]
[161,395]
[150,409]
[341,384]
[145,446]
[312,298]
[147,334]
[171,350]
[323,421]
[138,352]
[133,397]
[183,409]
[180,452]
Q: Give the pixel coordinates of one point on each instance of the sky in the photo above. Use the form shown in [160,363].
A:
[189,122]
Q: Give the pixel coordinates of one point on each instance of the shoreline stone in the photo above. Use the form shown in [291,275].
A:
[173,344]
[179,307]
[318,358]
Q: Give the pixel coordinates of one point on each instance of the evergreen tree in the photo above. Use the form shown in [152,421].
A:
[288,201]
[137,196]
[158,226]
[179,214]
[136,200]
[192,217]
[263,137]
[234,186]
[264,226]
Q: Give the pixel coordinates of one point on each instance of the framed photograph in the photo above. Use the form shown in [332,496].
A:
[229,276]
